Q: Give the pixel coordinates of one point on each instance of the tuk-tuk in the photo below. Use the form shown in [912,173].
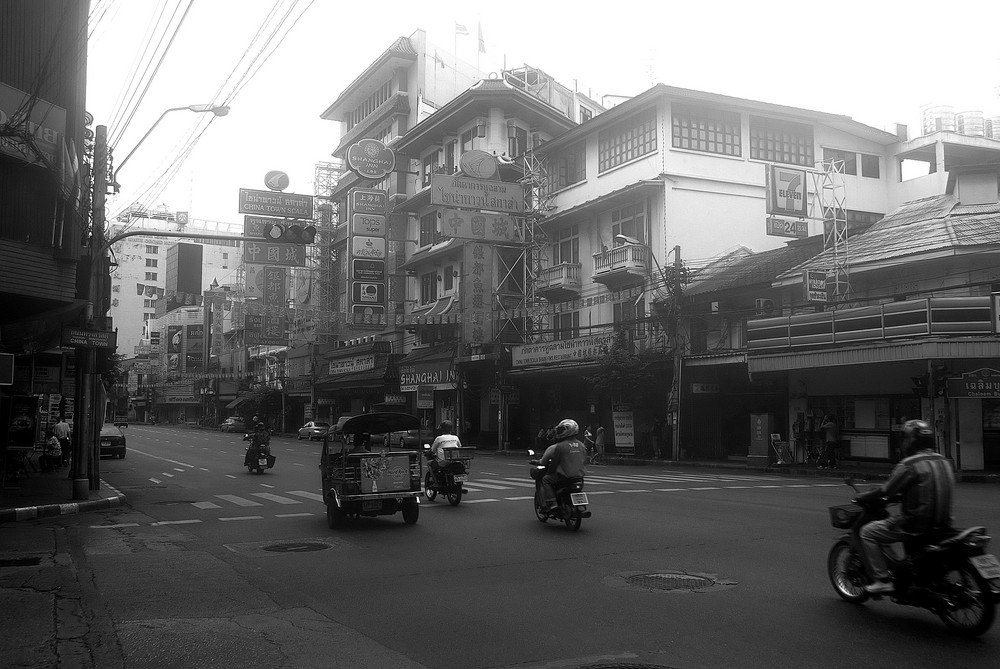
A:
[369,479]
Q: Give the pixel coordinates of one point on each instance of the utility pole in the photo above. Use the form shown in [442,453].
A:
[675,318]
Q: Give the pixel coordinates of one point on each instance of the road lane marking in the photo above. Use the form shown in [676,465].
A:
[175,522]
[479,501]
[113,527]
[308,495]
[516,499]
[275,498]
[241,518]
[156,480]
[293,515]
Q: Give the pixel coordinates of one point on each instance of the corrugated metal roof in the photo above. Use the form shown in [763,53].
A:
[742,268]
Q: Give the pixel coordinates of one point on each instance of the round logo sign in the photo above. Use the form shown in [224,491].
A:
[478,164]
[276,180]
[371,159]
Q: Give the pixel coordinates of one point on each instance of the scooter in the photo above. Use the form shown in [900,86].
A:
[256,458]
[949,572]
[571,501]
[448,478]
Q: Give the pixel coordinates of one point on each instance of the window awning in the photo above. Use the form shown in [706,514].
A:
[236,402]
[438,314]
[867,355]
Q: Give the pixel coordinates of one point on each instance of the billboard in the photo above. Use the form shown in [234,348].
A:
[482,194]
[787,191]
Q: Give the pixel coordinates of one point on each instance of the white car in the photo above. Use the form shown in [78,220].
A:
[314,429]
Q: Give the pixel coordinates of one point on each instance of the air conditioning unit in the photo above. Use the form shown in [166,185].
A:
[765,306]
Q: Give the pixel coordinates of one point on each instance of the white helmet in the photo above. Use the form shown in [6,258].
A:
[567,428]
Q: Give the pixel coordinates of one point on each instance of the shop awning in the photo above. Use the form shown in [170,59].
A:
[867,355]
[432,366]
[236,402]
[367,379]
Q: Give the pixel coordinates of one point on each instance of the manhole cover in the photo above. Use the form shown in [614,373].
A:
[296,547]
[670,581]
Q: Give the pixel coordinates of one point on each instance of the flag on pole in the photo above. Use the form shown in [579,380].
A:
[461,29]
[482,44]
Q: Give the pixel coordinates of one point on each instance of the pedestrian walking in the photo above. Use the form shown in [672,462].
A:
[62,432]
[598,445]
[831,439]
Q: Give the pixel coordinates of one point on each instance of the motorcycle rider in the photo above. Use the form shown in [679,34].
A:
[447,439]
[260,440]
[565,459]
[925,482]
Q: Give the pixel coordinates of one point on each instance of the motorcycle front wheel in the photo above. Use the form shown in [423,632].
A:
[847,573]
[967,606]
[540,506]
[429,491]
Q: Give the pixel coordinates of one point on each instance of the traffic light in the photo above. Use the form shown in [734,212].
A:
[289,234]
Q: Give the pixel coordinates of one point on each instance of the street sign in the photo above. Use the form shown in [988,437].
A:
[368,247]
[363,269]
[815,282]
[368,201]
[270,203]
[371,159]
[89,338]
[267,253]
[782,227]
[482,194]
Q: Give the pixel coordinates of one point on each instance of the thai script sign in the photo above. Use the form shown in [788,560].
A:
[815,285]
[580,348]
[270,203]
[482,226]
[984,382]
[368,247]
[621,417]
[786,191]
[483,194]
[253,226]
[89,338]
[367,270]
[358,363]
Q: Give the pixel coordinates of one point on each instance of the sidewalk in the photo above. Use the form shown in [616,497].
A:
[45,494]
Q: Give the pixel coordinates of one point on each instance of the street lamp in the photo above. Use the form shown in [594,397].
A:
[218,110]
[632,240]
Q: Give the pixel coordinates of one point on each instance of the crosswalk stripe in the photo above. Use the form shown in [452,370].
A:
[488,486]
[308,495]
[514,482]
[276,498]
[206,505]
[238,501]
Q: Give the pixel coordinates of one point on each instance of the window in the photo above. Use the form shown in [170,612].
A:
[449,156]
[566,246]
[704,129]
[627,140]
[566,326]
[848,158]
[776,141]
[431,163]
[362,111]
[517,140]
[148,304]
[151,276]
[568,167]
[585,114]
[869,166]
[630,221]
[470,135]
[629,316]
[428,229]
[151,262]
[449,278]
[428,287]
[152,249]
[148,316]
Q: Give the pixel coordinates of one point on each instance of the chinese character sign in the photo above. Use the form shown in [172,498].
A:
[477,289]
[275,286]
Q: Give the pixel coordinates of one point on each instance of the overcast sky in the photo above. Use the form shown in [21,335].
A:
[876,61]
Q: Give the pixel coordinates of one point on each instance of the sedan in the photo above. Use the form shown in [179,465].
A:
[411,439]
[314,429]
[112,441]
[233,424]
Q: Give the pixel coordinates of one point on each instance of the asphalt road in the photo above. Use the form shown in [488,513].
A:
[209,565]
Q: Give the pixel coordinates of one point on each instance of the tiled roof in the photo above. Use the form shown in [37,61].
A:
[743,268]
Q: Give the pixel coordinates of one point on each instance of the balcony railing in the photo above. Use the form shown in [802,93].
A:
[560,281]
[928,317]
[621,266]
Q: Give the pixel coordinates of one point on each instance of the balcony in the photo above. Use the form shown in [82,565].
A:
[622,267]
[560,282]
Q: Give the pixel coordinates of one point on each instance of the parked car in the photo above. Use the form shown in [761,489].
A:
[411,438]
[112,440]
[233,424]
[314,429]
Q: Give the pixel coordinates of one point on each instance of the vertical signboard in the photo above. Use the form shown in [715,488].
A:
[175,342]
[368,253]
[815,283]
[476,310]
[195,355]
[275,293]
[621,416]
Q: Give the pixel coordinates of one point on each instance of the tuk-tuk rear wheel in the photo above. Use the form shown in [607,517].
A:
[411,511]
[335,516]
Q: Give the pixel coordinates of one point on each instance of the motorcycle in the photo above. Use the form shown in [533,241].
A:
[448,479]
[948,573]
[571,501]
[256,459]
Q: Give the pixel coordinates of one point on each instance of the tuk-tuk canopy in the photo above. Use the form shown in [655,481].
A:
[379,422]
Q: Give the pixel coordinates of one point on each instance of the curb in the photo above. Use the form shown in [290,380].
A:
[48,510]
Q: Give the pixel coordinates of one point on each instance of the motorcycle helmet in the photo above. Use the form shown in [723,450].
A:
[918,435]
[567,428]
[446,427]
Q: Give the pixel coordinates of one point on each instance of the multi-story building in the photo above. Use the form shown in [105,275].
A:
[44,202]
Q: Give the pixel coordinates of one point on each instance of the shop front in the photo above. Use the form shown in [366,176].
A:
[357,378]
[428,379]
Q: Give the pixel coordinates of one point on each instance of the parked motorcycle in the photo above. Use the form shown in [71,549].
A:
[949,572]
[256,458]
[571,501]
[448,479]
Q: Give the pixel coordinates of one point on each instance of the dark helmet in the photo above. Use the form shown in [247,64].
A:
[918,435]
[567,428]
[446,427]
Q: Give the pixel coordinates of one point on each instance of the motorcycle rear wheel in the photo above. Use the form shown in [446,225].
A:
[429,491]
[455,498]
[572,517]
[967,605]
[540,506]
[847,573]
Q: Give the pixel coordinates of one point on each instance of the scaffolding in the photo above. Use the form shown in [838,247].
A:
[828,183]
